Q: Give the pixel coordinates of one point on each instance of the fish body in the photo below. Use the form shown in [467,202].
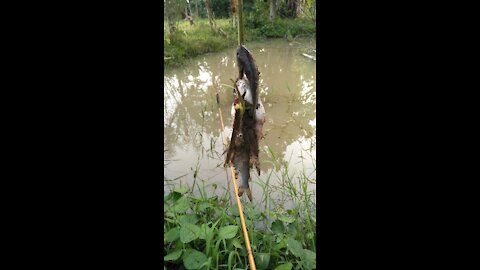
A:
[239,149]
[236,141]
[242,173]
[244,89]
[247,131]
[249,117]
[248,68]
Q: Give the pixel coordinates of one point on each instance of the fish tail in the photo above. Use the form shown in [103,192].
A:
[246,190]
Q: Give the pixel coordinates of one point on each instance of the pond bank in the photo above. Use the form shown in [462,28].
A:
[197,39]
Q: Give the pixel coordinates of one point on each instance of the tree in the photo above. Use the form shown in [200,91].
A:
[287,8]
[170,12]
[273,7]
[292,6]
[196,8]
[209,14]
[233,8]
[189,8]
[211,20]
[173,10]
[309,9]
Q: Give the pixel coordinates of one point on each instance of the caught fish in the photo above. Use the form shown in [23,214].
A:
[239,148]
[243,150]
[244,89]
[248,68]
[249,117]
[236,141]
[242,173]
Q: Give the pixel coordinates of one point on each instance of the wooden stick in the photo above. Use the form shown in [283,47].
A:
[241,38]
[309,56]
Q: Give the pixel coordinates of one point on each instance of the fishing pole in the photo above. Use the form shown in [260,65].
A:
[251,260]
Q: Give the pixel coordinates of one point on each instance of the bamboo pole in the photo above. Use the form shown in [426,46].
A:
[251,260]
[240,22]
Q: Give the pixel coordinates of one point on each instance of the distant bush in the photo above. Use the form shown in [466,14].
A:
[287,27]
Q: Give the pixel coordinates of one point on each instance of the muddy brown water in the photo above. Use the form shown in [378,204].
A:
[193,142]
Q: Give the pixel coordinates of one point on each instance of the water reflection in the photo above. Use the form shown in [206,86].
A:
[193,141]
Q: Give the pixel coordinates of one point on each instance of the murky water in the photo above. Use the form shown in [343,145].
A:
[193,142]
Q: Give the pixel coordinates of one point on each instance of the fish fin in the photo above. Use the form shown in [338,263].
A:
[240,191]
[254,162]
[249,194]
[247,191]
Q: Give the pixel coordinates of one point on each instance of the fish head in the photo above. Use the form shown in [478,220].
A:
[240,139]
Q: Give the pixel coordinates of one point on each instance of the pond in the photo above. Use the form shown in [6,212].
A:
[194,150]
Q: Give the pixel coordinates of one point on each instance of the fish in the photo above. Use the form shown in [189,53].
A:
[248,69]
[260,115]
[236,140]
[247,132]
[239,149]
[242,173]
[248,118]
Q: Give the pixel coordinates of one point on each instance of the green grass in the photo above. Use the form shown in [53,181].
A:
[198,39]
[204,232]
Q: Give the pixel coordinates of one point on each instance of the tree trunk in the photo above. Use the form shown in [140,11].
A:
[292,8]
[209,14]
[196,8]
[299,8]
[170,20]
[189,8]
[272,9]
[233,8]
[171,26]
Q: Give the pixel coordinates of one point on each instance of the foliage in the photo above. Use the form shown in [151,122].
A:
[174,8]
[284,11]
[287,28]
[312,8]
[256,14]
[205,233]
[221,8]
[284,27]
[193,40]
[257,8]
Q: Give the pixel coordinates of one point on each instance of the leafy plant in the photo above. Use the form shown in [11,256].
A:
[205,232]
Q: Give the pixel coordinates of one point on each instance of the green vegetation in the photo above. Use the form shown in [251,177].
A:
[204,232]
[189,40]
[202,229]
[197,39]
